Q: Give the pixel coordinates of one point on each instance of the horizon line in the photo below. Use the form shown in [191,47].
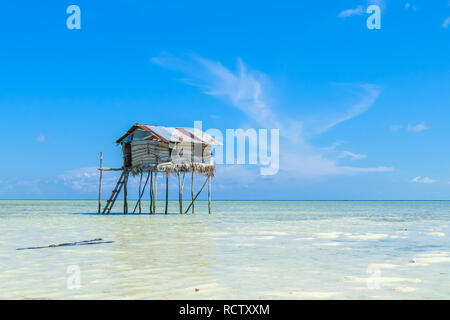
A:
[163,200]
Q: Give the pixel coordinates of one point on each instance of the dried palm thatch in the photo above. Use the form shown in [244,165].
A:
[172,168]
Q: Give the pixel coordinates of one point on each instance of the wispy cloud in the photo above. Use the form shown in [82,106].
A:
[367,94]
[243,89]
[417,127]
[351,12]
[446,23]
[248,91]
[410,6]
[352,156]
[410,127]
[41,138]
[425,180]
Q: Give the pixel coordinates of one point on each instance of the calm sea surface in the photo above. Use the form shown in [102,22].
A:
[244,250]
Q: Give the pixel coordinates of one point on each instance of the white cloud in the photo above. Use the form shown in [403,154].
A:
[446,23]
[41,138]
[425,180]
[83,179]
[418,127]
[316,165]
[243,89]
[410,6]
[368,93]
[351,12]
[352,156]
[248,91]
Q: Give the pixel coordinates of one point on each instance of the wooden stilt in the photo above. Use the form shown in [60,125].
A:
[125,195]
[100,184]
[155,195]
[209,195]
[192,203]
[139,200]
[180,204]
[151,192]
[180,191]
[142,193]
[192,191]
[167,192]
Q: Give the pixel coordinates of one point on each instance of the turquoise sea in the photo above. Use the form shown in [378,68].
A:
[244,250]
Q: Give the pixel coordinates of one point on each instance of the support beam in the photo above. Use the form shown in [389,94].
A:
[151,192]
[125,195]
[192,203]
[180,204]
[167,192]
[140,188]
[192,191]
[110,169]
[100,184]
[180,191]
[209,195]
[155,195]
[142,193]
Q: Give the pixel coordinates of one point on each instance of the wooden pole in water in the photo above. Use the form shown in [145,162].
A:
[155,194]
[209,195]
[151,192]
[180,191]
[192,191]
[140,188]
[192,202]
[180,205]
[125,195]
[167,191]
[100,184]
[142,192]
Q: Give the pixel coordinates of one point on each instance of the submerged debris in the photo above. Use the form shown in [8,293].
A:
[78,243]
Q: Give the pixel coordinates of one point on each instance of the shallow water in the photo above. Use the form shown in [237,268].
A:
[244,250]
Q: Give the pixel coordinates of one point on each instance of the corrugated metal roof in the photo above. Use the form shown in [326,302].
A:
[176,135]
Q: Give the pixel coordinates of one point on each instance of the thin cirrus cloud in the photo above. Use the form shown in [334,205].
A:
[41,138]
[410,6]
[352,155]
[424,180]
[417,127]
[248,91]
[351,12]
[446,23]
[359,10]
[420,127]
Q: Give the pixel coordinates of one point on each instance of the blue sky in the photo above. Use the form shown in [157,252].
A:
[363,114]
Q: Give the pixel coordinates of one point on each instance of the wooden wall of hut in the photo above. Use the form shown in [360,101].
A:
[155,152]
[149,152]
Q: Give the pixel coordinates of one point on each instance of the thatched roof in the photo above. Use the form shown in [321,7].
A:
[172,168]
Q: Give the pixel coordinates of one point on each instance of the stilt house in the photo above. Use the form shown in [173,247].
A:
[150,150]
